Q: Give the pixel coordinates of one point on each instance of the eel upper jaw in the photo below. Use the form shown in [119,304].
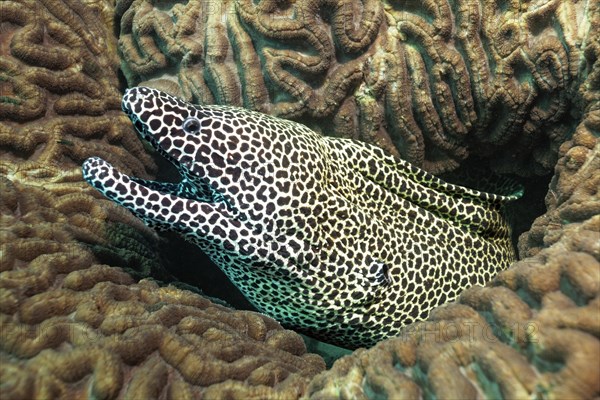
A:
[188,172]
[185,168]
[141,128]
[142,131]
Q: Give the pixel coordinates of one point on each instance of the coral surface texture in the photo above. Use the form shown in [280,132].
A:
[515,84]
[431,81]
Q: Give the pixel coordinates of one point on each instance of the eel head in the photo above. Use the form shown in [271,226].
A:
[255,165]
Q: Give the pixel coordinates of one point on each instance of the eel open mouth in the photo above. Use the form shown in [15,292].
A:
[161,205]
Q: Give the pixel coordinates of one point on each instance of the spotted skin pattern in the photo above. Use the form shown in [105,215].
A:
[329,236]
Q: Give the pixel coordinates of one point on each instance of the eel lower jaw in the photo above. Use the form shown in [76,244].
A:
[125,190]
[121,188]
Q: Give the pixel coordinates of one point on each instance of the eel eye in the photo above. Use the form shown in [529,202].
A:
[191,126]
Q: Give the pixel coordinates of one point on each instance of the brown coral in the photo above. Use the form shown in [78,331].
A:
[573,196]
[432,82]
[58,105]
[75,326]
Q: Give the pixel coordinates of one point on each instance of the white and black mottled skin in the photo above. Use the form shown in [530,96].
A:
[329,236]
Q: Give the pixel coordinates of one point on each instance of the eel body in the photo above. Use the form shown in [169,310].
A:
[330,236]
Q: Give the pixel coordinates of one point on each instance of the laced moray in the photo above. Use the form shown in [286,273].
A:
[330,236]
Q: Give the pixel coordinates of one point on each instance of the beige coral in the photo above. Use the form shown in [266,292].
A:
[432,82]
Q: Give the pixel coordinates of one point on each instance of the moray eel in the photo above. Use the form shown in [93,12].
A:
[330,236]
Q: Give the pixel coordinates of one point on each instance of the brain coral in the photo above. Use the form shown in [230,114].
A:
[58,105]
[423,79]
[432,81]
[71,325]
